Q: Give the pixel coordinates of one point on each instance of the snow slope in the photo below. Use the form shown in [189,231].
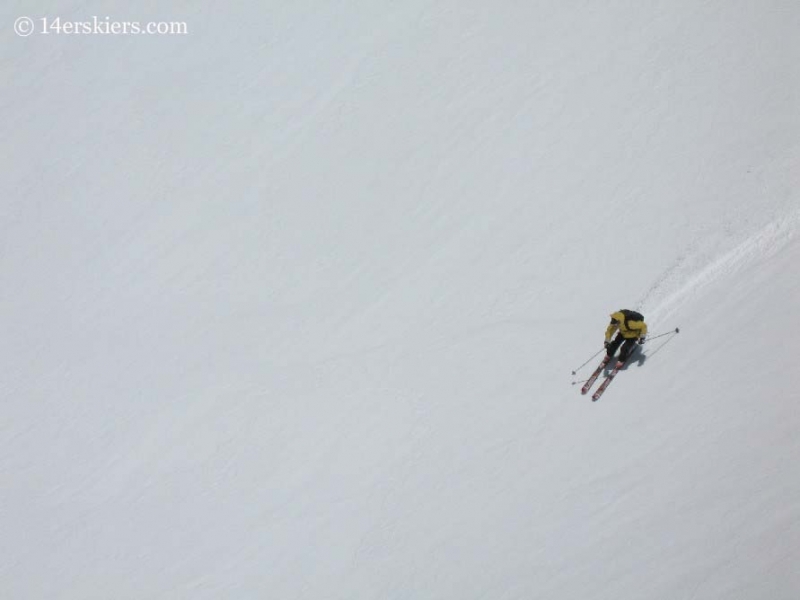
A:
[290,302]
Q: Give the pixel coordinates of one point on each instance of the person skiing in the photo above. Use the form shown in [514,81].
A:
[630,327]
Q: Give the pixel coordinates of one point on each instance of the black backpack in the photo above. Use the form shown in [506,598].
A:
[631,315]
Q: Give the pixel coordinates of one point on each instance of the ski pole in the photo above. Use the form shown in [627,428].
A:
[655,337]
[587,362]
[661,346]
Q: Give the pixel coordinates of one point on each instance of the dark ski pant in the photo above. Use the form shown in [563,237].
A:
[627,347]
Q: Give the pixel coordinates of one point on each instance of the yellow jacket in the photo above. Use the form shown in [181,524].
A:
[628,323]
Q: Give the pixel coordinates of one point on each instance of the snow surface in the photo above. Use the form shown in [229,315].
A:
[290,303]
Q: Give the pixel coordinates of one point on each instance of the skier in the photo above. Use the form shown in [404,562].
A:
[631,327]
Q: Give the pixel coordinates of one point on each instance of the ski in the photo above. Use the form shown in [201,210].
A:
[607,381]
[590,382]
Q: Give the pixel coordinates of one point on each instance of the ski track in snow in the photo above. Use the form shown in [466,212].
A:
[763,244]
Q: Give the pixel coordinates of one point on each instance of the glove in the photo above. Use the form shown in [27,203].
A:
[606,344]
[641,341]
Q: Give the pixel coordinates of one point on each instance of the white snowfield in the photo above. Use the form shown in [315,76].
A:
[289,303]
